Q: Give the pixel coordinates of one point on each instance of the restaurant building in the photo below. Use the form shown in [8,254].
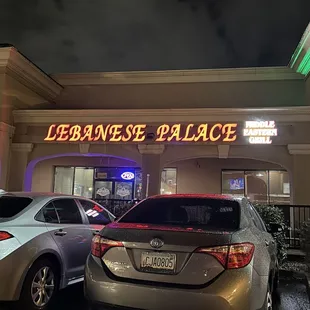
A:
[127,135]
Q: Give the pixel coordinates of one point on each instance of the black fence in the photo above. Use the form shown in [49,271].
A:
[117,206]
[294,215]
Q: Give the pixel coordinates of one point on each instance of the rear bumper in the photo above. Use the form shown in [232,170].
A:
[231,291]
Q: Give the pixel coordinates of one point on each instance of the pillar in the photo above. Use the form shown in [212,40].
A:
[19,159]
[301,173]
[6,134]
[151,168]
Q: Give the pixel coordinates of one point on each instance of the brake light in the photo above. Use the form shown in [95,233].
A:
[233,256]
[101,245]
[5,235]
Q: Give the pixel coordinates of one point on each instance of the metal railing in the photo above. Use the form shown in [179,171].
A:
[295,216]
[117,206]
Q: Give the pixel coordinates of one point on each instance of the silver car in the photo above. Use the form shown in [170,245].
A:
[184,252]
[44,242]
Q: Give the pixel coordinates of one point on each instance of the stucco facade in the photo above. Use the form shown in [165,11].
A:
[31,101]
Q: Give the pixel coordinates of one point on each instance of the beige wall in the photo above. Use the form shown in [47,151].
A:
[204,175]
[185,95]
[43,174]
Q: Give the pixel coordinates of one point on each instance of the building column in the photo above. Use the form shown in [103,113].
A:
[19,159]
[6,134]
[151,168]
[300,176]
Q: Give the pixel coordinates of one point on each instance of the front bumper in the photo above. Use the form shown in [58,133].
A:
[231,291]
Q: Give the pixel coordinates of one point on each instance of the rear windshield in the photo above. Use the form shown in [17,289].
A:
[11,206]
[198,213]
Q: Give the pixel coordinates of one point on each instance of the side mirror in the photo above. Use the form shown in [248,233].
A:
[275,228]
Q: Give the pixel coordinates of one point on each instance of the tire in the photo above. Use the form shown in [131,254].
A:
[40,286]
[268,304]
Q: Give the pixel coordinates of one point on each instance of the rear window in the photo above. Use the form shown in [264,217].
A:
[11,206]
[198,213]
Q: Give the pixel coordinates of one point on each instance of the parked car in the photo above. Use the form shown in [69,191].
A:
[184,252]
[44,242]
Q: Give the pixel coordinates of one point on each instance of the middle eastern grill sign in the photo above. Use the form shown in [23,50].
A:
[219,132]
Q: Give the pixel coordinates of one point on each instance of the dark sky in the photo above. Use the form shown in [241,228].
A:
[120,35]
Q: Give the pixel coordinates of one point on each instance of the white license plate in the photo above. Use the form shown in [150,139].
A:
[158,261]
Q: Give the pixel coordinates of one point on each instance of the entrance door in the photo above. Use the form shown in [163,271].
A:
[114,190]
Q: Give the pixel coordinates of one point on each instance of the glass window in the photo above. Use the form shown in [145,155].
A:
[83,182]
[279,187]
[67,211]
[169,181]
[256,186]
[199,213]
[123,190]
[95,213]
[49,214]
[11,206]
[64,180]
[233,183]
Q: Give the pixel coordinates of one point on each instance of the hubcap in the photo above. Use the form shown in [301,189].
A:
[269,301]
[42,287]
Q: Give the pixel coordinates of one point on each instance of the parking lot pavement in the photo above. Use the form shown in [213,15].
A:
[293,296]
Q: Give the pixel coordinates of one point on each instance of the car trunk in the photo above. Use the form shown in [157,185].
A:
[175,262]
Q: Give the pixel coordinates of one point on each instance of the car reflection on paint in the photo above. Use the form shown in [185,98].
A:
[47,238]
[184,252]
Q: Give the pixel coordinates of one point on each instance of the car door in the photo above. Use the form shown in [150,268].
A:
[72,236]
[98,216]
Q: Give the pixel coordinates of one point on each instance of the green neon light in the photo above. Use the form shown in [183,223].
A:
[299,49]
[304,66]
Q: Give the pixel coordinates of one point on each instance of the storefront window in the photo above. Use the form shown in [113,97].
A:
[233,183]
[83,182]
[169,181]
[266,186]
[279,187]
[256,186]
[64,180]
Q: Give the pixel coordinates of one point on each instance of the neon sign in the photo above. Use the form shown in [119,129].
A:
[260,132]
[137,133]
[127,175]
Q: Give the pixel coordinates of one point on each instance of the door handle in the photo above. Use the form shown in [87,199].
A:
[96,232]
[60,233]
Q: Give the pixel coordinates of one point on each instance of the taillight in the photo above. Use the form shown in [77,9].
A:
[5,235]
[101,245]
[231,256]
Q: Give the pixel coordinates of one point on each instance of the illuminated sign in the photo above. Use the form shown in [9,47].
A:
[260,132]
[127,176]
[138,133]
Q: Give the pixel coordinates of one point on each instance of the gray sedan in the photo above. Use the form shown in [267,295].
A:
[44,243]
[184,252]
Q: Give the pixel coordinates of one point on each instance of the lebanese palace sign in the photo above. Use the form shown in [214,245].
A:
[138,133]
[257,132]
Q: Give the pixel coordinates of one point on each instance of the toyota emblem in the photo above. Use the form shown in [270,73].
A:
[156,243]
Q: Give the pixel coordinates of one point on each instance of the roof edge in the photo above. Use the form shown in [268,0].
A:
[27,73]
[178,76]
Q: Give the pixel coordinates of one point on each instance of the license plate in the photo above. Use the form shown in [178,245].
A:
[158,262]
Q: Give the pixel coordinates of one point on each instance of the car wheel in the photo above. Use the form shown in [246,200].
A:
[40,285]
[268,305]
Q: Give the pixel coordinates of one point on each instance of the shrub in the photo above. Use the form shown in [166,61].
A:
[305,239]
[271,214]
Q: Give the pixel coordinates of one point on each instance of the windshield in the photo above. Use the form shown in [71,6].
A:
[201,213]
[11,206]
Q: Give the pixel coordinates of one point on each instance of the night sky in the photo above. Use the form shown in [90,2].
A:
[121,35]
